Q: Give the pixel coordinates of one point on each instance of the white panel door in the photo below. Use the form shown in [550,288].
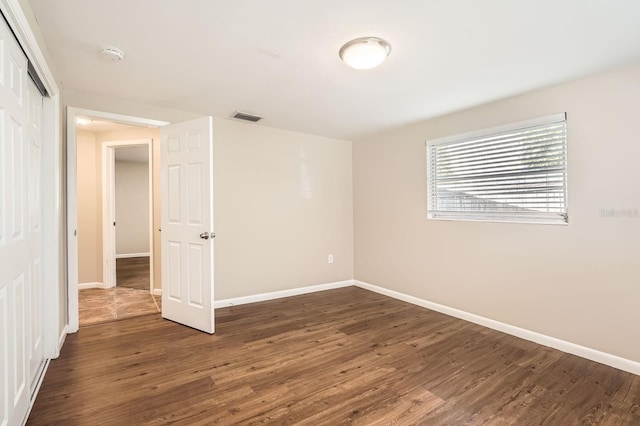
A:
[15,265]
[187,223]
[35,289]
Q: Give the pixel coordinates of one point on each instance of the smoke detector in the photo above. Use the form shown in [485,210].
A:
[112,53]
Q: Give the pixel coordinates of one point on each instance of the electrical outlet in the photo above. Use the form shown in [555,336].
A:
[330,258]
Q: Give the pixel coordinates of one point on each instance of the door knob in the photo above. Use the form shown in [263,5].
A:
[204,235]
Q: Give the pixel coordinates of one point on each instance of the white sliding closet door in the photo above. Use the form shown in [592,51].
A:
[21,304]
[35,288]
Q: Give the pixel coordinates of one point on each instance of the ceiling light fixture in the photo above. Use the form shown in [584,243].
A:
[112,53]
[365,53]
[82,121]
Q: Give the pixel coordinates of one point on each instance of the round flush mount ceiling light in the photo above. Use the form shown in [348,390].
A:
[365,53]
[112,53]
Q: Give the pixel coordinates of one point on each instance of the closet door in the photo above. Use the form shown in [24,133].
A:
[35,289]
[16,271]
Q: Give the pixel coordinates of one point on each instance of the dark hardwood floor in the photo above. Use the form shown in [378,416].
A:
[345,356]
[133,272]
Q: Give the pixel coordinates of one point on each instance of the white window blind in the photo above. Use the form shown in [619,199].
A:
[515,173]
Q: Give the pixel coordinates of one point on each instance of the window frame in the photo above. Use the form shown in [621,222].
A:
[501,217]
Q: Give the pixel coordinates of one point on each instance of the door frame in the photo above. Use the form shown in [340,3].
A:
[72,196]
[108,208]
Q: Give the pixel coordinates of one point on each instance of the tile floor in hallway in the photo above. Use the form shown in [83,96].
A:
[131,297]
[100,305]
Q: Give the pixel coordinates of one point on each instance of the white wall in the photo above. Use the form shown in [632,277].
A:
[282,203]
[89,215]
[132,206]
[578,282]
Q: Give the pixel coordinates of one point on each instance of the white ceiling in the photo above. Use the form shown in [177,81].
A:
[279,58]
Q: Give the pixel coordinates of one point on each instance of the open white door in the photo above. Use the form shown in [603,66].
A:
[187,223]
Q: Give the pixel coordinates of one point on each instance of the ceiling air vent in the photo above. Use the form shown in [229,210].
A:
[246,116]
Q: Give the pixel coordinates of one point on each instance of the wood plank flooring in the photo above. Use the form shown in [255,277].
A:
[133,272]
[345,356]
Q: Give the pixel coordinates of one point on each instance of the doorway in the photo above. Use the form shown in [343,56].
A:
[184,159]
[130,174]
[115,220]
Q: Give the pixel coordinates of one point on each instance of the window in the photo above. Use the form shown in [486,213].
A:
[514,173]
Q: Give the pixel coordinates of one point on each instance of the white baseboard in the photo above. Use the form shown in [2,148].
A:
[279,294]
[82,286]
[125,255]
[157,291]
[542,339]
